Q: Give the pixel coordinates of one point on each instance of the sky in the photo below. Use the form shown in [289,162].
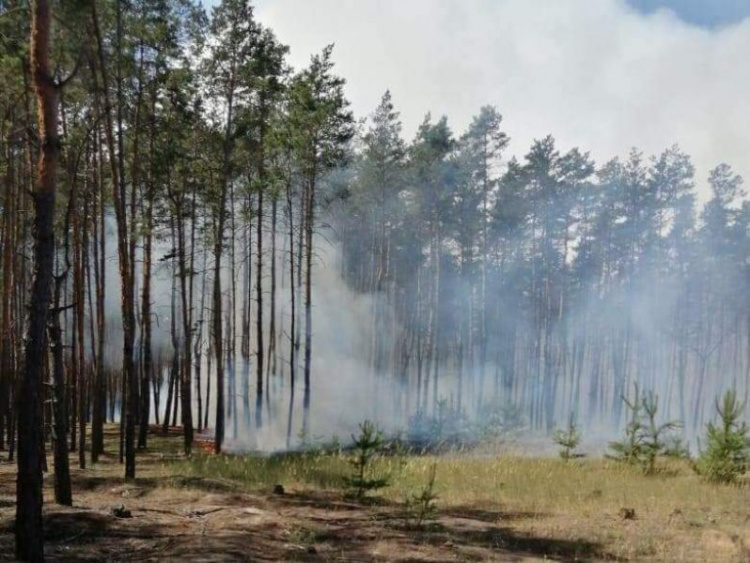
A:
[602,75]
[708,13]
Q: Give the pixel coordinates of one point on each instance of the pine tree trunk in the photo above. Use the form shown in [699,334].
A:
[293,316]
[63,493]
[116,158]
[198,344]
[79,292]
[217,295]
[7,373]
[187,362]
[272,356]
[99,411]
[146,344]
[309,226]
[259,302]
[29,527]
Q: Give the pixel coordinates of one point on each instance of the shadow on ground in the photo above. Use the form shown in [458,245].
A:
[294,527]
[178,517]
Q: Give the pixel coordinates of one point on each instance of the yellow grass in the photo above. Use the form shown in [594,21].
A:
[678,517]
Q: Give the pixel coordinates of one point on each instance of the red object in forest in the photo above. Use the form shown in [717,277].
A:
[205,445]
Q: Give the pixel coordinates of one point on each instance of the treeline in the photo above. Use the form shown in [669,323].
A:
[546,285]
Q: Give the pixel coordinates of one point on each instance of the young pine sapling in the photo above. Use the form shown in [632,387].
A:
[420,508]
[366,447]
[654,442]
[630,449]
[727,453]
[568,439]
[645,438]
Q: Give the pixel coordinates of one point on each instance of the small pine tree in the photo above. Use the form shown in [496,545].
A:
[645,439]
[654,443]
[727,453]
[630,449]
[420,508]
[366,447]
[568,439]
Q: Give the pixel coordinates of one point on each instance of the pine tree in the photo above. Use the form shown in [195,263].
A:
[366,447]
[568,439]
[727,453]
[234,28]
[29,532]
[321,125]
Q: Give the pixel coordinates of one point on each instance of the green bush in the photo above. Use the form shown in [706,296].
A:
[366,446]
[645,438]
[655,435]
[727,452]
[568,439]
[420,508]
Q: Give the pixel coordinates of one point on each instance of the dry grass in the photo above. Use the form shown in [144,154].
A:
[220,508]
[678,517]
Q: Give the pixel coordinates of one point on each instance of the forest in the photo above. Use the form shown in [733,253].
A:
[185,216]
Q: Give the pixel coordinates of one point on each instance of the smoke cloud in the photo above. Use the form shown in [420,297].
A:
[596,73]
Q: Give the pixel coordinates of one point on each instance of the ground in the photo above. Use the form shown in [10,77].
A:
[490,508]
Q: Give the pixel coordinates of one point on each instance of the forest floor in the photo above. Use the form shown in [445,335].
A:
[222,508]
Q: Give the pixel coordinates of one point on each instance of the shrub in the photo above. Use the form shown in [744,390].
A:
[420,508]
[568,439]
[675,447]
[654,434]
[366,447]
[645,439]
[630,449]
[727,452]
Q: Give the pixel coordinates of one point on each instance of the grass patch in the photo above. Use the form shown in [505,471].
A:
[537,484]
[541,497]
[583,509]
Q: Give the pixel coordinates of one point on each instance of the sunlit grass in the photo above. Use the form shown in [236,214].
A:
[678,516]
[531,484]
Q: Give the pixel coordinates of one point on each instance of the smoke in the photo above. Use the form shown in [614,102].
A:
[345,388]
[161,295]
[597,73]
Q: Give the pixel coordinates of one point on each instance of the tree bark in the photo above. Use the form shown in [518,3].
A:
[29,534]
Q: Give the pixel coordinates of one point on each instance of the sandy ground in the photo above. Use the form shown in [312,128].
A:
[189,519]
[174,517]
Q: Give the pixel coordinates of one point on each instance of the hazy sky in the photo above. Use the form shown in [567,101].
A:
[709,13]
[604,75]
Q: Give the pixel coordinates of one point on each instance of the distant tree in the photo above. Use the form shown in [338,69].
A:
[321,125]
[430,171]
[228,72]
[483,145]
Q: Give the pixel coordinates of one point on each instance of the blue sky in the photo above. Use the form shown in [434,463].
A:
[705,13]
